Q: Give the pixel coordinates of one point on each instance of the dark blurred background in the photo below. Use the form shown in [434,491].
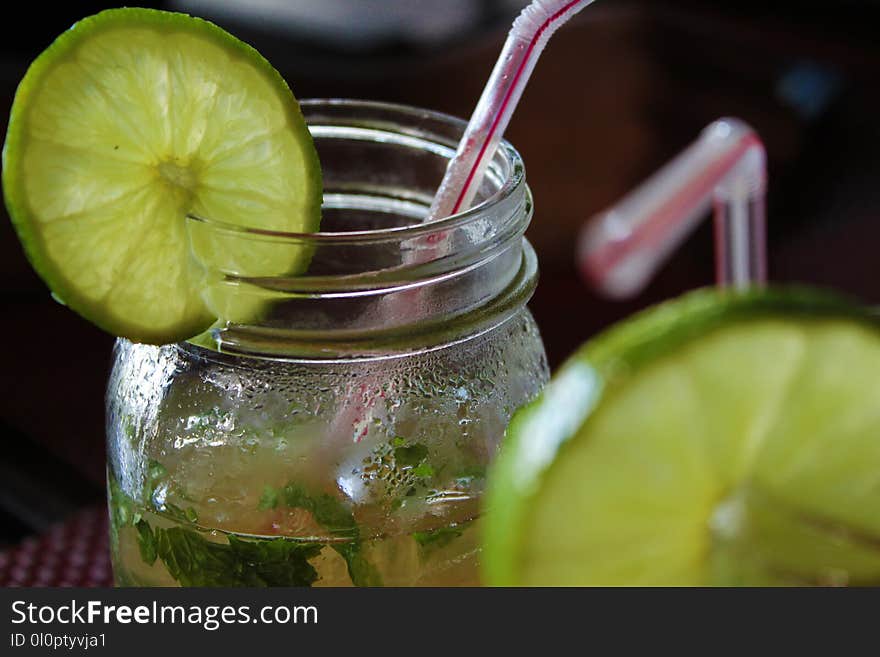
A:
[617,93]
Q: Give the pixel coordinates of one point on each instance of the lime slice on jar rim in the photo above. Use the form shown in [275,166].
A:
[719,439]
[127,123]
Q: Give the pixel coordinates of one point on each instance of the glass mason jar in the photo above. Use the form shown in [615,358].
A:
[334,427]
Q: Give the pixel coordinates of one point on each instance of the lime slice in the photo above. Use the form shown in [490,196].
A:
[716,440]
[127,122]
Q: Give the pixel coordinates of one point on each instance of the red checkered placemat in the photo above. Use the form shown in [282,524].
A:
[74,553]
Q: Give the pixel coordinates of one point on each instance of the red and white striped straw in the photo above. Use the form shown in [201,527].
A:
[527,38]
[620,249]
[529,35]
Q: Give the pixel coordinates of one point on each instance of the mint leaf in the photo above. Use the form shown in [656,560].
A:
[278,562]
[334,516]
[327,511]
[269,499]
[193,560]
[475,471]
[146,542]
[435,539]
[423,470]
[156,472]
[121,506]
[410,456]
[183,515]
[122,511]
[361,571]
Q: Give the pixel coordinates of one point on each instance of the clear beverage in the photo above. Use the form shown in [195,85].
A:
[340,436]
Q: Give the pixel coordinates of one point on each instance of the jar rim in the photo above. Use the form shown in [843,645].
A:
[368,291]
[511,184]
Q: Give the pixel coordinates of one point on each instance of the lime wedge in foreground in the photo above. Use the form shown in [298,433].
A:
[719,439]
[127,122]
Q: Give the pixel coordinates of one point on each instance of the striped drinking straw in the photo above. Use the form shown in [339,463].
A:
[621,248]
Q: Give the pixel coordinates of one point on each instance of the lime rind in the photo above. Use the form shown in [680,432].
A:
[73,281]
[652,501]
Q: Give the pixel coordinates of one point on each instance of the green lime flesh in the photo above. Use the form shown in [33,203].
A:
[130,121]
[720,439]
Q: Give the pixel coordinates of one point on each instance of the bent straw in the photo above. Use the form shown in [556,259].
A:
[526,40]
[620,249]
[529,35]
